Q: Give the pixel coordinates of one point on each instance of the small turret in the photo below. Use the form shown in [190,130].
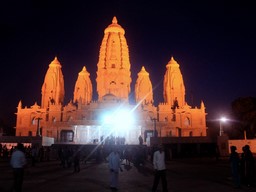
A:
[143,88]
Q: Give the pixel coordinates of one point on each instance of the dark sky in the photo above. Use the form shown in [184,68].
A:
[213,41]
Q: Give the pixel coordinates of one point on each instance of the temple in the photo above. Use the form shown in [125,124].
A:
[112,115]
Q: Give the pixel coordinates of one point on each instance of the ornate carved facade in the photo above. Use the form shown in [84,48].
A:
[83,120]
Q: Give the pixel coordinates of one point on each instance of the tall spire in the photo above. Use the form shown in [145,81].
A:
[83,87]
[114,20]
[53,86]
[143,88]
[113,74]
[174,89]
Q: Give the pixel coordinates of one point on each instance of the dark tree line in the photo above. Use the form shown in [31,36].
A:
[244,111]
[5,129]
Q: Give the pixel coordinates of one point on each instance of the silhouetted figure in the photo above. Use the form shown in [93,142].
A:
[217,152]
[247,166]
[5,152]
[18,161]
[61,156]
[69,157]
[47,153]
[175,104]
[33,156]
[234,160]
[99,155]
[160,169]
[102,139]
[41,154]
[140,140]
[77,157]
[127,156]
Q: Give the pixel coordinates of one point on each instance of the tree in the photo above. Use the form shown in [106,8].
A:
[6,130]
[244,110]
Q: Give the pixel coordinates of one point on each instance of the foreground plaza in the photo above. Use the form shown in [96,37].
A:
[184,175]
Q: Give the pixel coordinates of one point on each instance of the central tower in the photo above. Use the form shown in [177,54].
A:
[113,74]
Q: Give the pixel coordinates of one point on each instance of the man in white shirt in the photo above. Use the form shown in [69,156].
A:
[160,169]
[114,163]
[18,161]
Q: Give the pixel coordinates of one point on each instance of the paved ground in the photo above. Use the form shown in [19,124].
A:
[184,175]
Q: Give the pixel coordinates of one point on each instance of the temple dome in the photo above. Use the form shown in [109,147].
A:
[114,27]
[109,97]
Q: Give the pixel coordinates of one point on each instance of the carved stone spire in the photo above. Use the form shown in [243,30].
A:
[174,89]
[143,88]
[83,87]
[53,86]
[113,74]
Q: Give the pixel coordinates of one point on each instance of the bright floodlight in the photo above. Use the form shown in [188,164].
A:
[123,118]
[120,119]
[223,119]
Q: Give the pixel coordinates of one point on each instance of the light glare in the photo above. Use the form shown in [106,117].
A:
[118,119]
[223,119]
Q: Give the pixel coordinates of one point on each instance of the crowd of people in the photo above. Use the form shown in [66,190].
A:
[242,165]
[36,153]
[71,157]
[130,154]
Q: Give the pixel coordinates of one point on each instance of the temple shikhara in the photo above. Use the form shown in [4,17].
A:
[112,115]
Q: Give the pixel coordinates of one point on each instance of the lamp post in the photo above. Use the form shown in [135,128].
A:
[222,120]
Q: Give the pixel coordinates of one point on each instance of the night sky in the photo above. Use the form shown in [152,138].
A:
[214,43]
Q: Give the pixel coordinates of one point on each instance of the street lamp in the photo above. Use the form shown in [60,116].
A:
[222,120]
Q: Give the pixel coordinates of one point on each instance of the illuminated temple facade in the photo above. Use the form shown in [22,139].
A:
[84,120]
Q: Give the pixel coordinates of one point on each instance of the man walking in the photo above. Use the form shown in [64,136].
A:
[114,163]
[160,169]
[18,161]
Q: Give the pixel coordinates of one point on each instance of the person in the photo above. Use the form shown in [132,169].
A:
[114,164]
[18,162]
[247,163]
[140,140]
[160,169]
[234,160]
[127,156]
[33,155]
[77,158]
